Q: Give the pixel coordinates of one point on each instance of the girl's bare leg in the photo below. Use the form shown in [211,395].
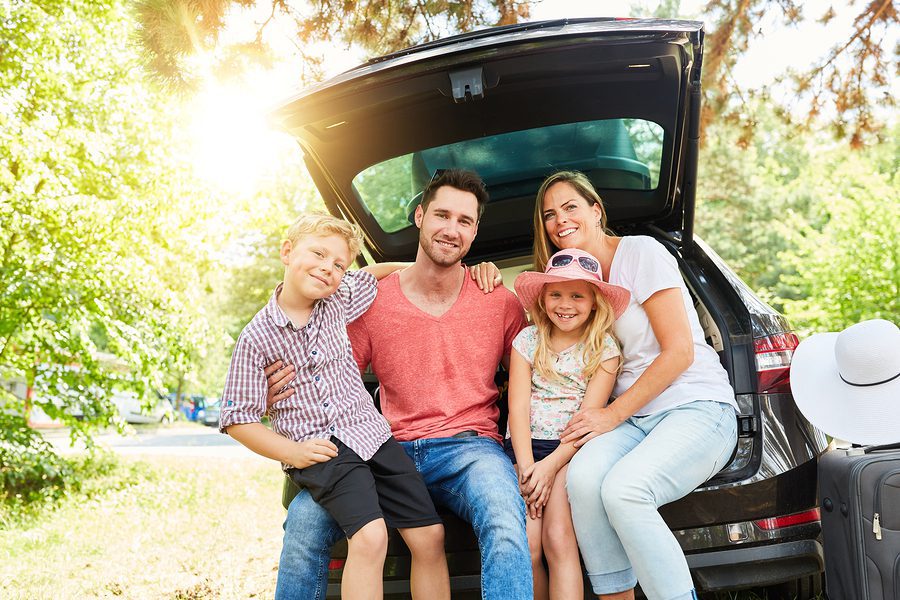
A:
[560,545]
[534,527]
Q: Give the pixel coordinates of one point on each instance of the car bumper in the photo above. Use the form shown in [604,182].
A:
[756,566]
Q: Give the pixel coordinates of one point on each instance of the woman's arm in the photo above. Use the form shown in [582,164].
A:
[670,325]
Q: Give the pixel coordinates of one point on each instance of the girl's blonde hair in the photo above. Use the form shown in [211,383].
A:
[598,326]
[543,247]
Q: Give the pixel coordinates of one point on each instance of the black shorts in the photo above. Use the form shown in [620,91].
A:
[356,491]
[541,449]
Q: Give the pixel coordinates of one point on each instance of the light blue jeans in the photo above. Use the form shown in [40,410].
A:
[470,476]
[617,482]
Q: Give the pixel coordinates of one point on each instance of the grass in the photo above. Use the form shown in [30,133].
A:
[180,528]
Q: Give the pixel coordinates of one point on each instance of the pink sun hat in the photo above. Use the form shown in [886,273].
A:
[570,265]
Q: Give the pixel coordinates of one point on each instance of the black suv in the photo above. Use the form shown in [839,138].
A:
[620,101]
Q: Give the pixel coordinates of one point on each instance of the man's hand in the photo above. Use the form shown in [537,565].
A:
[311,452]
[588,423]
[279,376]
[487,276]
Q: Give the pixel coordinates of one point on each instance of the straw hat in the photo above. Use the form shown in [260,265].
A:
[848,384]
[570,265]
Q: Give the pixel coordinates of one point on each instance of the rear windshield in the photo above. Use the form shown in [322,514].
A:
[613,153]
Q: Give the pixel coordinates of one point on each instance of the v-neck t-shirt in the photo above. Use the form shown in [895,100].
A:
[437,373]
[643,266]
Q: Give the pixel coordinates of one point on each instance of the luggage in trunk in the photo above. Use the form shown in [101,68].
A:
[859,495]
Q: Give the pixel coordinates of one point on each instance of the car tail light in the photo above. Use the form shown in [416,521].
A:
[773,362]
[336,563]
[807,516]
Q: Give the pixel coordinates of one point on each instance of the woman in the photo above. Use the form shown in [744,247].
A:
[672,424]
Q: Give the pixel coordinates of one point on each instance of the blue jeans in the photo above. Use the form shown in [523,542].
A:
[617,481]
[470,476]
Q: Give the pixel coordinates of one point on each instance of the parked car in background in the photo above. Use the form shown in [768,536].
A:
[134,409]
[618,100]
[209,415]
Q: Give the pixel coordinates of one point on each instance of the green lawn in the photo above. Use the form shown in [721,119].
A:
[188,528]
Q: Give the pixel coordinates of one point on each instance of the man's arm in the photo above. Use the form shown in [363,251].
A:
[382,270]
[265,442]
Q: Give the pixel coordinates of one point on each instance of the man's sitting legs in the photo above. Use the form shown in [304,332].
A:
[309,534]
[476,480]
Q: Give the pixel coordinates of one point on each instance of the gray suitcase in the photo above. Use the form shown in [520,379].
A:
[859,496]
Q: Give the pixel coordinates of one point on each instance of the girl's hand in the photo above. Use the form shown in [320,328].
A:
[537,483]
[278,378]
[486,275]
[588,423]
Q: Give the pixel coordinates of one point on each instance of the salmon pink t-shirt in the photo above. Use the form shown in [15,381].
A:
[437,373]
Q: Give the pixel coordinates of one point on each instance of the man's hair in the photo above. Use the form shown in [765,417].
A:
[460,179]
[319,224]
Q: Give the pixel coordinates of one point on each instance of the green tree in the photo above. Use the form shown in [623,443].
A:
[99,265]
[847,262]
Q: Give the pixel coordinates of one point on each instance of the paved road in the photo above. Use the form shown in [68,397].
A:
[181,439]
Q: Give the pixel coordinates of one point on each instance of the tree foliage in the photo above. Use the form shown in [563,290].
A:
[172,32]
[98,264]
[847,83]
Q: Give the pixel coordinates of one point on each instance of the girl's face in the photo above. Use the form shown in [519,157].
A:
[569,304]
[569,220]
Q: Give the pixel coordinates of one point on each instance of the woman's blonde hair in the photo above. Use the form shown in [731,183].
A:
[599,325]
[543,247]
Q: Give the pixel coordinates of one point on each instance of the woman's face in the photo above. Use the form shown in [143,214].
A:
[570,220]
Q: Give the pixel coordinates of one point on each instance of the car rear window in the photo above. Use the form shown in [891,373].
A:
[614,153]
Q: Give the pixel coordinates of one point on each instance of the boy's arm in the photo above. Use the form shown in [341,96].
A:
[382,270]
[265,442]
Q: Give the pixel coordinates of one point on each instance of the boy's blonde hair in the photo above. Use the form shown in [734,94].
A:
[599,325]
[320,224]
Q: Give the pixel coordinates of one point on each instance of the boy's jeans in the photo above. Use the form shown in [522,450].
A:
[470,476]
[617,481]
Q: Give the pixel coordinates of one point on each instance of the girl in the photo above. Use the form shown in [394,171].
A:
[673,423]
[568,359]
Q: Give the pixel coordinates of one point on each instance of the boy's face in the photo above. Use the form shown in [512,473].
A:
[315,264]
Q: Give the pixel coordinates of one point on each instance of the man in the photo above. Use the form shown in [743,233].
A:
[434,341]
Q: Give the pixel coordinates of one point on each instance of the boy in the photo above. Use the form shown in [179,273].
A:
[328,435]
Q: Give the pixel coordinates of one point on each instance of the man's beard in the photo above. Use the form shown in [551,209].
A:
[443,259]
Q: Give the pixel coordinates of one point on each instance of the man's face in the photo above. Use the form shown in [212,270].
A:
[448,226]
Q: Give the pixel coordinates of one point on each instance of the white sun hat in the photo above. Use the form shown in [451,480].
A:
[848,384]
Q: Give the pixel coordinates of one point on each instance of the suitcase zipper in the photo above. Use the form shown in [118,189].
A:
[876,519]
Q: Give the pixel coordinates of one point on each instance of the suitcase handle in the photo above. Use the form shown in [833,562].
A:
[869,449]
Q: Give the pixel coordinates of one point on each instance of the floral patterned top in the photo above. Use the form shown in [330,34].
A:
[554,402]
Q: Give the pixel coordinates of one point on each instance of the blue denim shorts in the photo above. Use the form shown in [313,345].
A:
[541,449]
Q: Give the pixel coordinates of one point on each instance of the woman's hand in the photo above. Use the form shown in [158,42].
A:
[535,483]
[278,377]
[588,423]
[486,275]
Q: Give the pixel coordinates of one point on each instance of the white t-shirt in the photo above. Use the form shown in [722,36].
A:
[643,266]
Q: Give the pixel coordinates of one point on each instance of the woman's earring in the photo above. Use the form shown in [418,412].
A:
[598,224]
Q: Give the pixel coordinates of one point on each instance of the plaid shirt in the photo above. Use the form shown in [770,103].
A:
[329,397]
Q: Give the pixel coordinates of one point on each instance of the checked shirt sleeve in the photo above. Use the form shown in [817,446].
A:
[244,397]
[356,292]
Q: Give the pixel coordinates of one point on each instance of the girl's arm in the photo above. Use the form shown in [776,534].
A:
[520,409]
[670,325]
[543,472]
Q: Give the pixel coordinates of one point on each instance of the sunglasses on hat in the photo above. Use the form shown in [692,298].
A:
[588,264]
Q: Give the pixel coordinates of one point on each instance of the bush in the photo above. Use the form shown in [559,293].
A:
[30,470]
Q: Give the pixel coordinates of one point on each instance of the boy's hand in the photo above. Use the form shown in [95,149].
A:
[486,275]
[312,452]
[278,376]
